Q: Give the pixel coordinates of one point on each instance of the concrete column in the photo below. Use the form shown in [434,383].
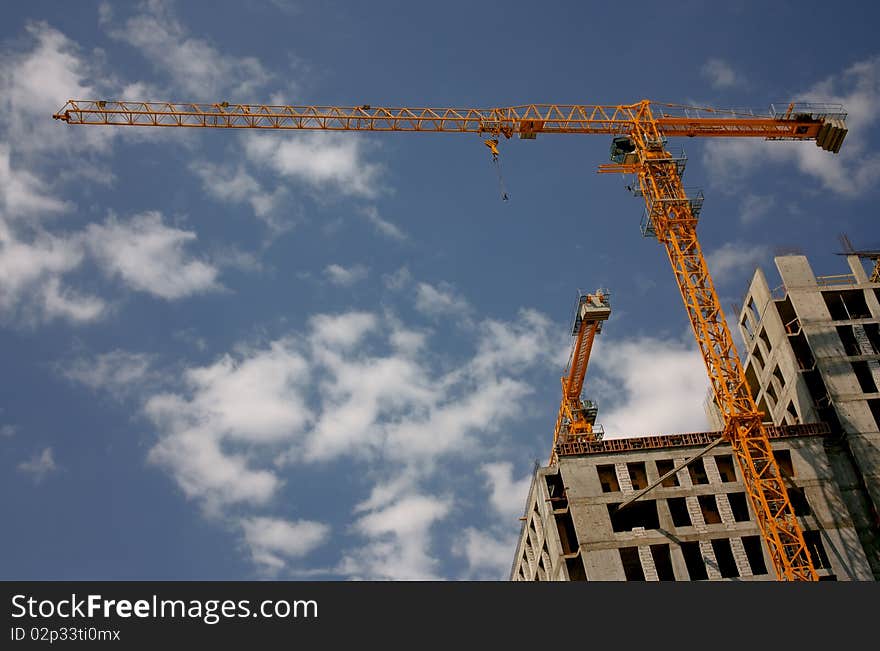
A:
[533,565]
[548,565]
[696,514]
[867,349]
[664,515]
[684,477]
[711,562]
[647,560]
[725,511]
[711,470]
[693,505]
[679,567]
[855,265]
[623,477]
[604,565]
[739,555]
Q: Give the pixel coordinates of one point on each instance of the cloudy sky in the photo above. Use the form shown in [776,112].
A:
[233,355]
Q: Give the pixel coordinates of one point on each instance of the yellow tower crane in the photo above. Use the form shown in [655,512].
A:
[577,417]
[640,131]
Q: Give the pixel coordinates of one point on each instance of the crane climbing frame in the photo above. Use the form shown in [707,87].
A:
[642,131]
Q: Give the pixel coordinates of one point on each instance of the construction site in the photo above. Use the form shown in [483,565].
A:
[675,507]
[786,488]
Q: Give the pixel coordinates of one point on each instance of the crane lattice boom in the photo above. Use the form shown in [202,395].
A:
[795,123]
[641,131]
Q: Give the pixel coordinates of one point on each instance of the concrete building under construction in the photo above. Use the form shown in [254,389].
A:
[813,367]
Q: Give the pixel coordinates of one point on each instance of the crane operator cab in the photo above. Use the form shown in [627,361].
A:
[623,151]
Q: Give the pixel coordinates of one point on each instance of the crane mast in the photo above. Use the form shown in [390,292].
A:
[639,148]
[671,216]
[577,416]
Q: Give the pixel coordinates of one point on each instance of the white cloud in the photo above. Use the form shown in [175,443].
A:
[203,469]
[8,430]
[341,331]
[720,74]
[37,75]
[190,336]
[230,183]
[36,79]
[149,256]
[406,341]
[649,386]
[114,371]
[345,277]
[397,280]
[23,263]
[211,437]
[53,71]
[735,258]
[231,257]
[440,301]
[508,496]
[405,517]
[194,65]
[402,482]
[254,399]
[356,385]
[22,194]
[40,465]
[488,553]
[323,161]
[66,303]
[145,253]
[30,279]
[753,207]
[382,225]
[215,435]
[508,347]
[390,402]
[369,392]
[464,419]
[399,541]
[273,542]
[852,172]
[288,6]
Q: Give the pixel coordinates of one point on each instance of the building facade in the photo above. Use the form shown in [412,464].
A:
[812,353]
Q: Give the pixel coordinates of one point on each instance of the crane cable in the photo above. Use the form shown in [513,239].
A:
[492,144]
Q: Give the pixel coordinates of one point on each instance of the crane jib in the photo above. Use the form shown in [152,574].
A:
[825,125]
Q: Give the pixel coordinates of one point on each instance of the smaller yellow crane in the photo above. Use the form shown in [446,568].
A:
[577,417]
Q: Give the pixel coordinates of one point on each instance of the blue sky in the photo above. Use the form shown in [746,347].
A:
[337,356]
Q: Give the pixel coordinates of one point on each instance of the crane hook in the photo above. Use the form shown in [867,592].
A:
[492,144]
